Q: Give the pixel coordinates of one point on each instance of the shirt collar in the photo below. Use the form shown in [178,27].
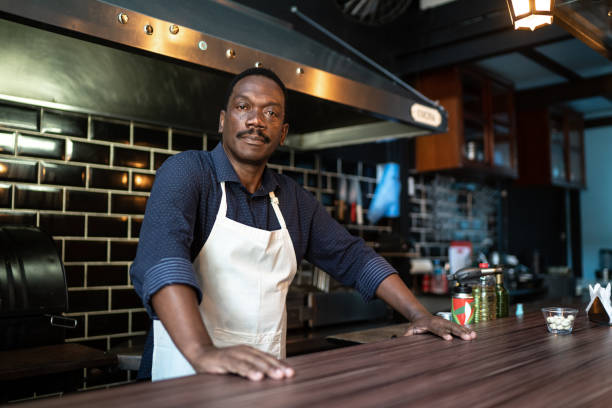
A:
[225,172]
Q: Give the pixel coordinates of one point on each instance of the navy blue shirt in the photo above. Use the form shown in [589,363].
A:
[183,207]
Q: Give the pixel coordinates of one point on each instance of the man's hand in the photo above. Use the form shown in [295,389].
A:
[441,327]
[177,307]
[393,291]
[244,361]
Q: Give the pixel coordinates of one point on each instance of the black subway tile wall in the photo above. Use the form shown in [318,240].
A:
[19,117]
[107,275]
[131,158]
[82,251]
[149,137]
[62,224]
[110,131]
[136,225]
[36,197]
[109,179]
[79,330]
[187,141]
[5,195]
[123,251]
[101,324]
[128,204]
[142,181]
[67,175]
[107,226]
[39,146]
[140,321]
[16,218]
[87,300]
[79,200]
[87,152]
[18,170]
[7,142]
[125,299]
[64,123]
[85,180]
[75,275]
[159,159]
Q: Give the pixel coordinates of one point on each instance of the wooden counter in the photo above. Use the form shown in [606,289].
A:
[513,362]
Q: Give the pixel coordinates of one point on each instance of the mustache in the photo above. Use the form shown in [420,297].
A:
[257,132]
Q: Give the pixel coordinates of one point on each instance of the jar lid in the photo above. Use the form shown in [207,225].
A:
[463,289]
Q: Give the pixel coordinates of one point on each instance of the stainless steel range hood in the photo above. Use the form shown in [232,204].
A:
[170,63]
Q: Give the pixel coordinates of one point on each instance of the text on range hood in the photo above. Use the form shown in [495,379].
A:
[331,91]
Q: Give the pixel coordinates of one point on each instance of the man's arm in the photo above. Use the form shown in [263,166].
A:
[397,295]
[348,259]
[177,308]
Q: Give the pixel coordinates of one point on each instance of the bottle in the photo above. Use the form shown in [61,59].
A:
[484,300]
[462,305]
[426,283]
[519,310]
[501,295]
[439,283]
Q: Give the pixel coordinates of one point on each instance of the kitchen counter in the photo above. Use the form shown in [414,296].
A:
[514,361]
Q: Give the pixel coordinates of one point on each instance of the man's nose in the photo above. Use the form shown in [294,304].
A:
[255,118]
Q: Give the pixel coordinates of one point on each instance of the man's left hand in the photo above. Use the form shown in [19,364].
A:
[440,327]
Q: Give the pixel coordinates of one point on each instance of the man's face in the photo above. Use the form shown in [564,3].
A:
[253,125]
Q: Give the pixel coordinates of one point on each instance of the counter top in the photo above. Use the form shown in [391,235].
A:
[514,361]
[53,359]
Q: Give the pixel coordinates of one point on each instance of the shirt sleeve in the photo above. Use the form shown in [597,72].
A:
[344,256]
[163,255]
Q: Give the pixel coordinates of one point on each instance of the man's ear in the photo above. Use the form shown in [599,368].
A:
[284,133]
[221,120]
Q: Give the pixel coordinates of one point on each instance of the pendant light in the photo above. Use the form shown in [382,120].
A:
[530,14]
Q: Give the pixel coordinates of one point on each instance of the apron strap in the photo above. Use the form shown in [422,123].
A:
[223,205]
[277,210]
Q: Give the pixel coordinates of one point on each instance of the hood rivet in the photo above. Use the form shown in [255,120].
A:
[258,64]
[148,29]
[230,53]
[299,71]
[202,45]
[174,29]
[123,18]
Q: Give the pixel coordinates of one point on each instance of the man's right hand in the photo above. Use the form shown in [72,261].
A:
[177,307]
[244,361]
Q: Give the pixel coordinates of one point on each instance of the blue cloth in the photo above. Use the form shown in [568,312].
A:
[183,207]
[385,202]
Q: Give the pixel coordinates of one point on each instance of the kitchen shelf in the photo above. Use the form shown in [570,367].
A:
[481,136]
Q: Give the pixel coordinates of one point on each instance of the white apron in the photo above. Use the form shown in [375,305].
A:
[244,274]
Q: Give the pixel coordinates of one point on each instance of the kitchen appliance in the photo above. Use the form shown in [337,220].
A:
[33,291]
[141,59]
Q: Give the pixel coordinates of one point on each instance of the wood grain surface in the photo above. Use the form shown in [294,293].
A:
[513,362]
[58,358]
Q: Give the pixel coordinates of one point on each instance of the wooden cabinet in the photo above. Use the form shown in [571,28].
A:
[551,147]
[481,123]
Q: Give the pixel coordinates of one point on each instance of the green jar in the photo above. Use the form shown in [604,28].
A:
[485,299]
[502,296]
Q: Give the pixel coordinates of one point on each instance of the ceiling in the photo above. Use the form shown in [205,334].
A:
[567,62]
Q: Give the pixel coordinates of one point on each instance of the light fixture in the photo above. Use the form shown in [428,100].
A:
[530,14]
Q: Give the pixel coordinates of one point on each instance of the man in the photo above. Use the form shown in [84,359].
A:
[220,244]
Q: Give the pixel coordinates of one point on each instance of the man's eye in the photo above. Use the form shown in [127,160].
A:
[272,114]
[242,106]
